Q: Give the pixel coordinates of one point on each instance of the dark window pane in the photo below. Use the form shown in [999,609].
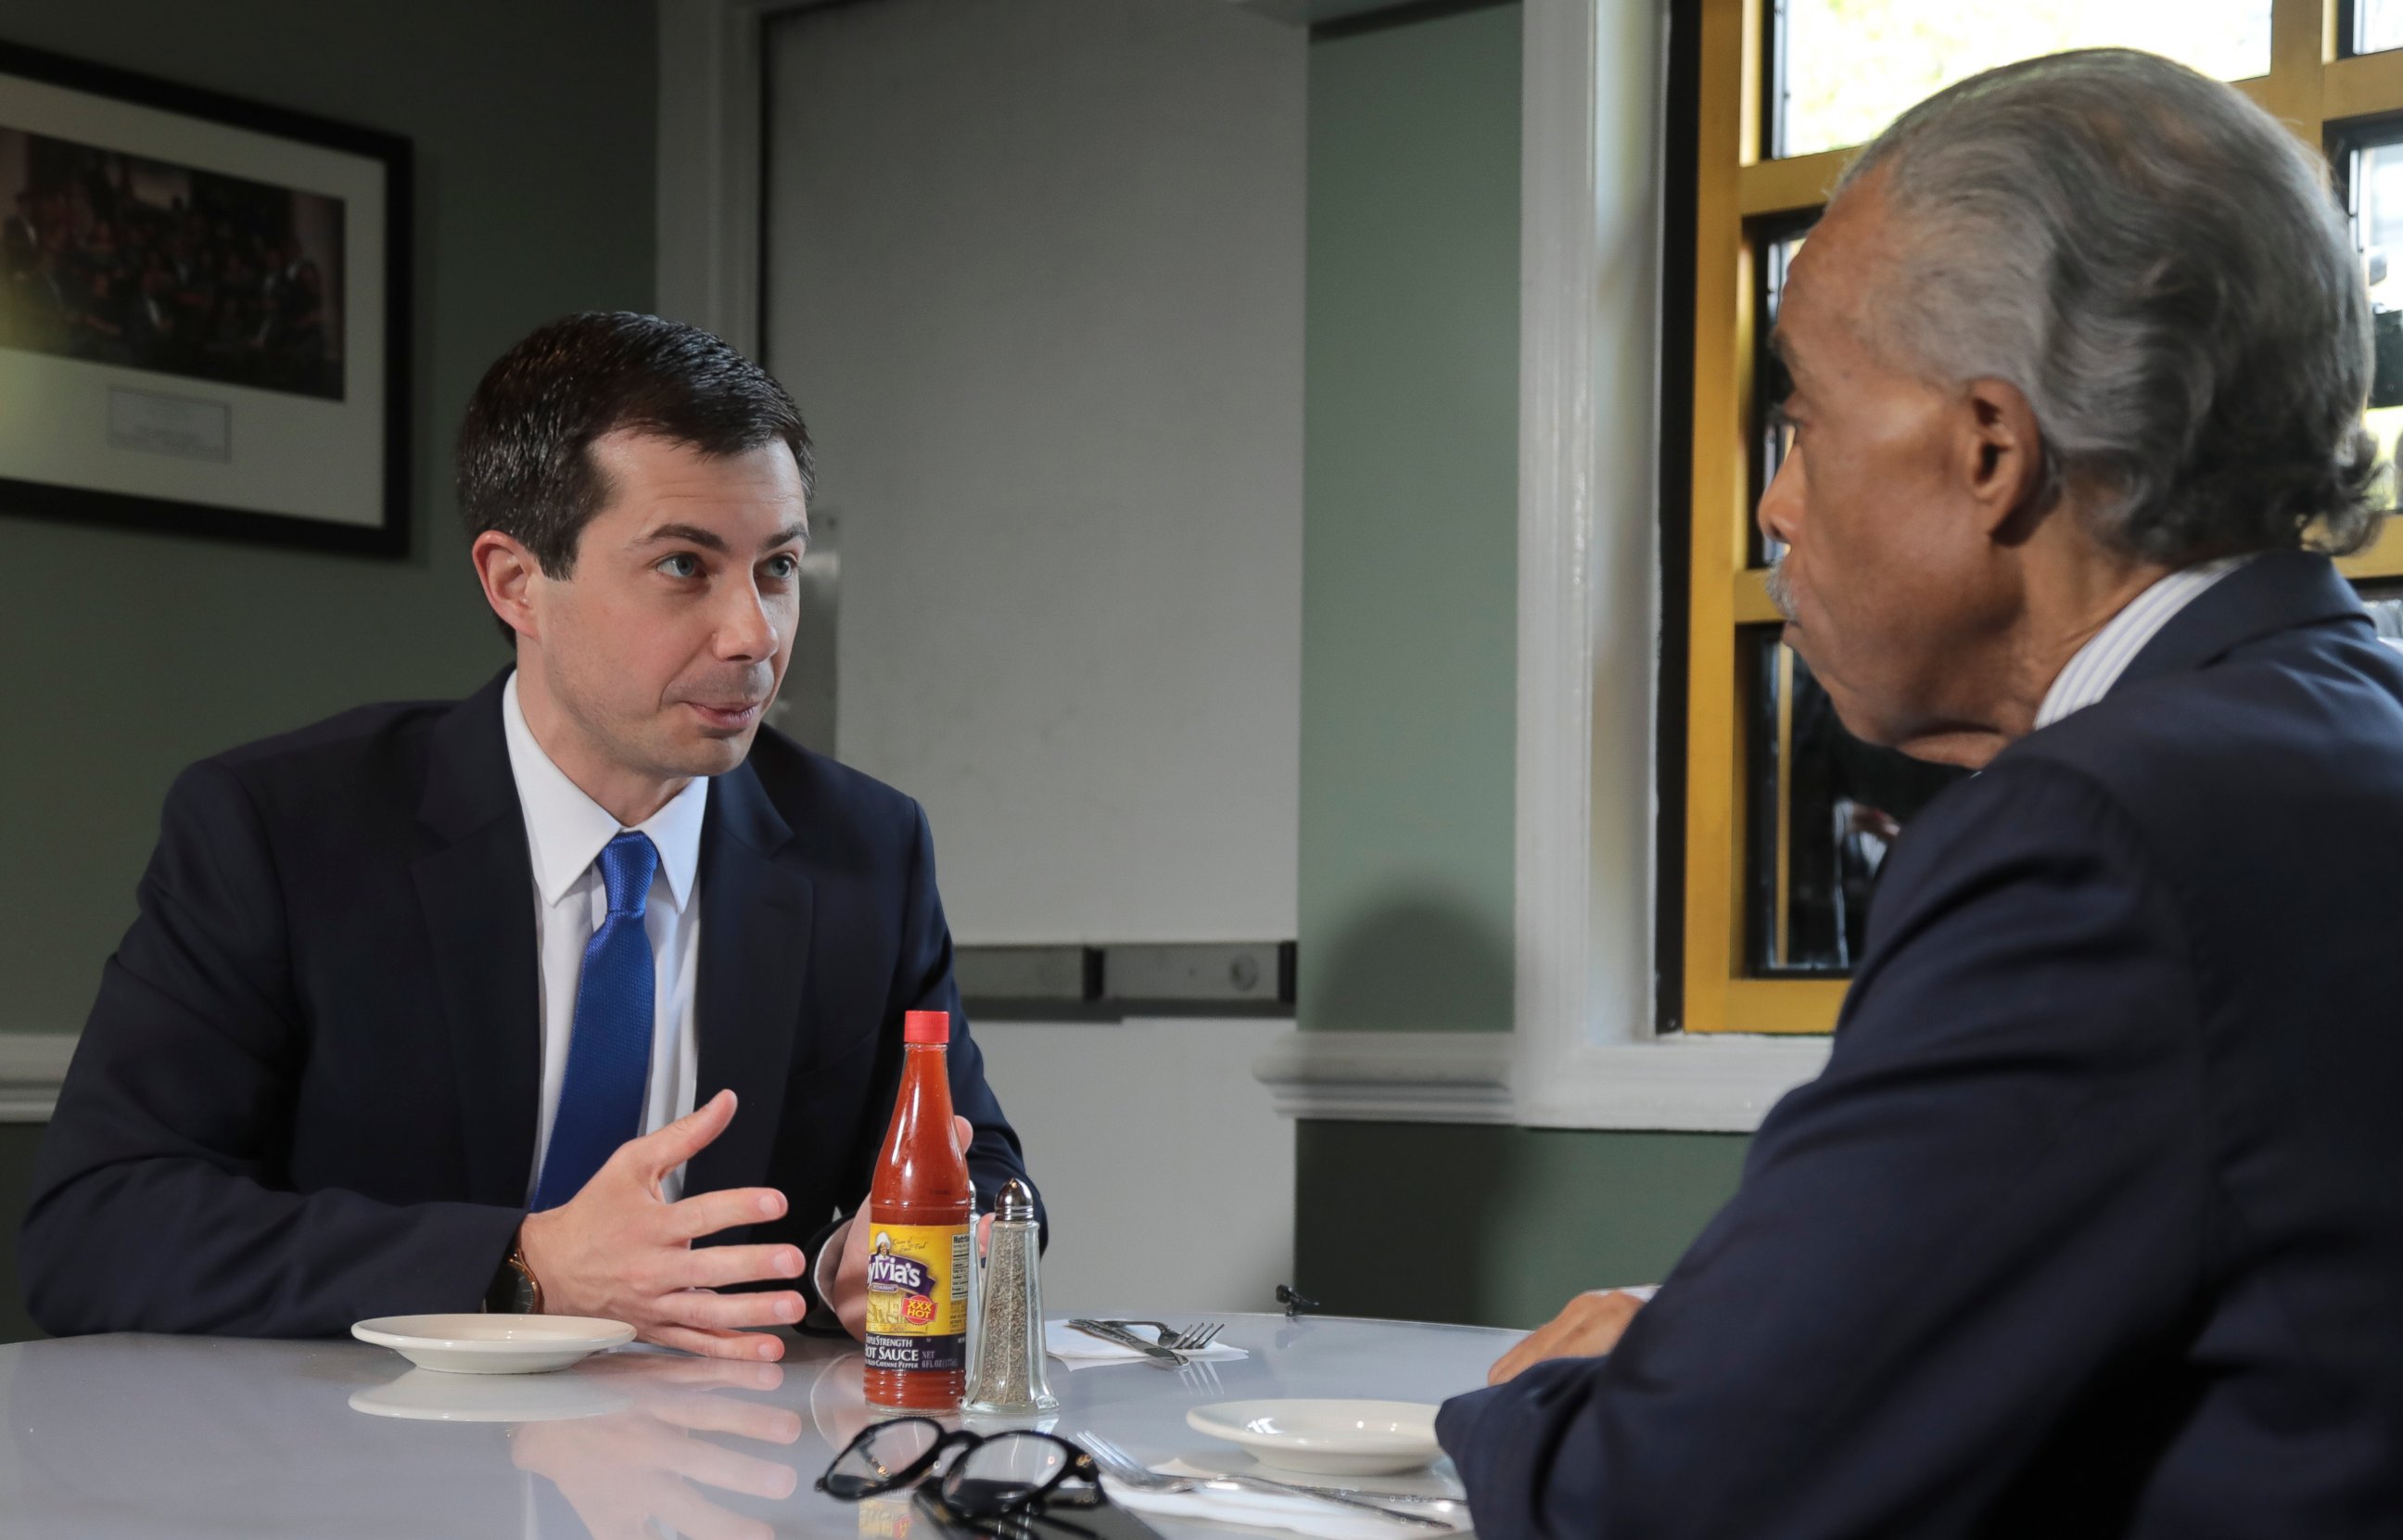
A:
[1821,810]
[2374,185]
[1844,69]
[1776,248]
[1821,806]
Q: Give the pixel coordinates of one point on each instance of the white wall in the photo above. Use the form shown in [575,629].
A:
[1035,274]
[1169,1175]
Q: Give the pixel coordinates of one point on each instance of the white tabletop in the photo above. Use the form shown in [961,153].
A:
[129,1435]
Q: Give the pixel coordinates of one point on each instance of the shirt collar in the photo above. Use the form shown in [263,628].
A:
[565,829]
[2095,667]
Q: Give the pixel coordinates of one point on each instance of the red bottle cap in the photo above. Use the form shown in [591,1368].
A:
[928,1027]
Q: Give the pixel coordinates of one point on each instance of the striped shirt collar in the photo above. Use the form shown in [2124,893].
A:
[2097,665]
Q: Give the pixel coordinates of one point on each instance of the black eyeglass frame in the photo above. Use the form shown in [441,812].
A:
[1079,1464]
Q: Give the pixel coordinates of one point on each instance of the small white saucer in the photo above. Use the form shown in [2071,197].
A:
[1325,1438]
[429,1395]
[493,1344]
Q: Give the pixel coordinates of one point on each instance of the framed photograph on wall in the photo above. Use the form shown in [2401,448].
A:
[203,311]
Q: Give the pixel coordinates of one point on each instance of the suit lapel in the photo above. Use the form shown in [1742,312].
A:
[2273,591]
[475,883]
[755,941]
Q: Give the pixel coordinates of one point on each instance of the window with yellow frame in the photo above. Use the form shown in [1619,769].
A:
[1785,818]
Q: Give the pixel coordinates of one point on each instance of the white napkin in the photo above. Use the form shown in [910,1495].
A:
[1081,1351]
[1269,1510]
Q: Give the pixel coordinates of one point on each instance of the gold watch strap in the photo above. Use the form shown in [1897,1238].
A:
[533,1285]
[515,1290]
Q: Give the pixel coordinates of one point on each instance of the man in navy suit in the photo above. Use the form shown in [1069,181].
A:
[582,995]
[2093,1223]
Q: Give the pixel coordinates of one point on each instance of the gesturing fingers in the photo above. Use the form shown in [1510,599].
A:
[731,1312]
[708,1213]
[665,1149]
[716,1344]
[722,1267]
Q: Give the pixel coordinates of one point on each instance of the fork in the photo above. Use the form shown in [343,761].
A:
[1127,1470]
[1110,1331]
[1192,1338]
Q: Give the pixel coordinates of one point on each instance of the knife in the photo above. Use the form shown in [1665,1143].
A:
[1333,1494]
[1165,1358]
[1408,1499]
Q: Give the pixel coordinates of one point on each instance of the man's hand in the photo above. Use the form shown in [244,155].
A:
[848,1296]
[620,1250]
[1592,1324]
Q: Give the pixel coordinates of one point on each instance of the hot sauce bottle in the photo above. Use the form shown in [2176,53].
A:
[920,1210]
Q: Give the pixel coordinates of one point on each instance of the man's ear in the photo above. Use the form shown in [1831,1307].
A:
[508,572]
[2001,450]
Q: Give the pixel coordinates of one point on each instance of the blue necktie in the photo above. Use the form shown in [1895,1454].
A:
[609,1055]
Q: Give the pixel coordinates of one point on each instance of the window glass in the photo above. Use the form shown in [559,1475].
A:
[1821,809]
[1776,250]
[2377,26]
[2375,183]
[2384,602]
[1844,69]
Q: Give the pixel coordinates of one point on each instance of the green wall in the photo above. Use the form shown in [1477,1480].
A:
[1497,1227]
[1410,542]
[1410,607]
[130,654]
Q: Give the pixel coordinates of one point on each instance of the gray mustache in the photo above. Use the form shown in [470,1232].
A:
[1781,593]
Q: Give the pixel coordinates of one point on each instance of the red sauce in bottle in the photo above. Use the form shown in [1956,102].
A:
[918,1218]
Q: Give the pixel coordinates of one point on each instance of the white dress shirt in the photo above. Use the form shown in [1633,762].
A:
[565,831]
[2097,666]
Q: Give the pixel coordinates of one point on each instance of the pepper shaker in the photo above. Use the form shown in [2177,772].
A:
[1006,1374]
[971,1290]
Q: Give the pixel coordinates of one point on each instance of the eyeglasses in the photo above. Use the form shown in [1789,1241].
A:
[988,1476]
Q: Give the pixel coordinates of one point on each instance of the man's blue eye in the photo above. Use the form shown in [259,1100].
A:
[783,567]
[680,566]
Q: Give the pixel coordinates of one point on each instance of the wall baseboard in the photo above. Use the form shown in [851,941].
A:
[32,1066]
[1391,1076]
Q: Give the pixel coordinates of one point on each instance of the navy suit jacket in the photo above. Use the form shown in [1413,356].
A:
[308,1091]
[2093,1223]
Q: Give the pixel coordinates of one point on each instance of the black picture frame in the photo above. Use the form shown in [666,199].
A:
[386,422]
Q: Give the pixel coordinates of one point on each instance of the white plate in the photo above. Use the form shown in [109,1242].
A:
[1325,1438]
[429,1395]
[493,1344]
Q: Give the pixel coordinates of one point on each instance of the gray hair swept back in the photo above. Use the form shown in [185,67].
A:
[2159,267]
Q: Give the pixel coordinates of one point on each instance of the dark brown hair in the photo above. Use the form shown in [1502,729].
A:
[525,462]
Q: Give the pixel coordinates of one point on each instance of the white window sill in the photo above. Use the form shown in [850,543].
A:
[1716,1083]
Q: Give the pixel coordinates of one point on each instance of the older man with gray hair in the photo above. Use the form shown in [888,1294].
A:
[2094,1222]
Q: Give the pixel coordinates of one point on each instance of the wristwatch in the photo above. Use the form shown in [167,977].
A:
[514,1289]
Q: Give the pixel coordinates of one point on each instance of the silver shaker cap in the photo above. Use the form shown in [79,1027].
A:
[1017,1205]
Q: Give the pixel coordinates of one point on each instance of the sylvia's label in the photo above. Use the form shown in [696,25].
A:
[917,1308]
